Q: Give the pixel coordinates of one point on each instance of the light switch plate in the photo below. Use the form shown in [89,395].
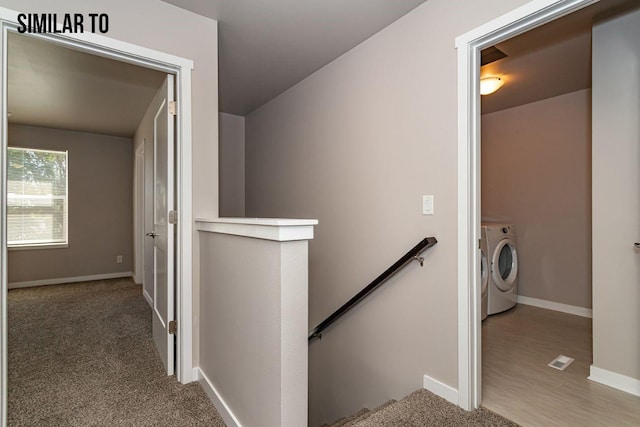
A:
[427,205]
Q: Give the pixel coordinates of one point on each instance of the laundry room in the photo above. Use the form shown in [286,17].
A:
[542,186]
[536,175]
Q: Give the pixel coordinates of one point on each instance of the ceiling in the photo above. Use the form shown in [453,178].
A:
[265,47]
[264,50]
[549,61]
[54,86]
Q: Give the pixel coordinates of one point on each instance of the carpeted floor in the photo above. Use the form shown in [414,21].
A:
[82,355]
[423,408]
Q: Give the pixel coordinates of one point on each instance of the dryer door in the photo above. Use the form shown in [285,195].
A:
[484,273]
[504,265]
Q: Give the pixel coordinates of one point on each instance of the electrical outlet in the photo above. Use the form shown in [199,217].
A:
[119,259]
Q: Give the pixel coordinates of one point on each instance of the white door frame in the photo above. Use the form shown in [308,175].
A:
[138,215]
[145,57]
[469,45]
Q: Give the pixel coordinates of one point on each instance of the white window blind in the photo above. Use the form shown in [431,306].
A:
[37,197]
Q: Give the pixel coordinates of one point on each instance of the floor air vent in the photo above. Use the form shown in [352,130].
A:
[561,362]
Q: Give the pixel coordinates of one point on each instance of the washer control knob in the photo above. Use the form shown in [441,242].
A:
[505,230]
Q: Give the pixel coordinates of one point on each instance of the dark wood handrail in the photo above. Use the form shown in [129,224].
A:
[413,254]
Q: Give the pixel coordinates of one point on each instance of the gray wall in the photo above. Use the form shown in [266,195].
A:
[167,28]
[231,165]
[100,206]
[536,170]
[356,145]
[616,196]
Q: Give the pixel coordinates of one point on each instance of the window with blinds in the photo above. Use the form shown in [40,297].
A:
[37,197]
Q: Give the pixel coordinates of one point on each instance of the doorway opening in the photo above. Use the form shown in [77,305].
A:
[469,47]
[141,57]
[536,181]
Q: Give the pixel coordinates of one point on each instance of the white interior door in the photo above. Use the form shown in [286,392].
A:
[163,229]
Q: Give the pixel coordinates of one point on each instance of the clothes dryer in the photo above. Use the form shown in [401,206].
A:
[502,256]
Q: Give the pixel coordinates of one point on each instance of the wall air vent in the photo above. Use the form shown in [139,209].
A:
[491,54]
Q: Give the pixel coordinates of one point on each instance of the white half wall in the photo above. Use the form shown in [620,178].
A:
[254,306]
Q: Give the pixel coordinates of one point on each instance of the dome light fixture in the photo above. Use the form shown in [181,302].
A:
[488,85]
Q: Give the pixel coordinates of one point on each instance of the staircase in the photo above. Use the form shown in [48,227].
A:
[421,408]
[361,415]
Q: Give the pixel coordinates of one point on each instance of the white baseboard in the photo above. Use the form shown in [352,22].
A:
[136,280]
[612,379]
[63,280]
[441,389]
[555,306]
[147,297]
[217,400]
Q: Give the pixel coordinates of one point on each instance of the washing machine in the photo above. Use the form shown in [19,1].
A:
[484,275]
[502,257]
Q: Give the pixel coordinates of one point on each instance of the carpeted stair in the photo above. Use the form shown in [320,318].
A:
[358,416]
[422,408]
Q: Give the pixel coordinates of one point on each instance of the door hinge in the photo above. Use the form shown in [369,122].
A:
[173,217]
[172,108]
[173,327]
[479,243]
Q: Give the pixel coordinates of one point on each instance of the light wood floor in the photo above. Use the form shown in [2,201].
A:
[518,384]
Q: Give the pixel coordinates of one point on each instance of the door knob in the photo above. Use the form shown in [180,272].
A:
[153,234]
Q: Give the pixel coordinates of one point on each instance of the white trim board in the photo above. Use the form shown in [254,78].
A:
[118,49]
[146,296]
[63,280]
[615,380]
[441,389]
[223,409]
[555,306]
[531,15]
[135,279]
[138,213]
[280,230]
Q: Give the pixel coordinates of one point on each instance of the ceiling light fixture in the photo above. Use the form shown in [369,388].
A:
[488,85]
